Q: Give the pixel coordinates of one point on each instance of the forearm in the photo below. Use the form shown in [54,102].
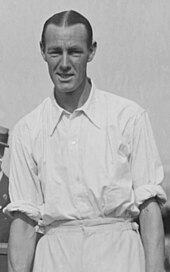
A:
[22,243]
[152,234]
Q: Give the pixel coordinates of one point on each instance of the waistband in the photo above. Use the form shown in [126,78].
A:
[100,224]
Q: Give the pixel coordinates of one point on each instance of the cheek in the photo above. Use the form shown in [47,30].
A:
[49,68]
[52,62]
[51,71]
[81,66]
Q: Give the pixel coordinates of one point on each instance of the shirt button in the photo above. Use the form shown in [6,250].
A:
[73,142]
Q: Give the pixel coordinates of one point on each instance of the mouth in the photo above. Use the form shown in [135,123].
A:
[65,76]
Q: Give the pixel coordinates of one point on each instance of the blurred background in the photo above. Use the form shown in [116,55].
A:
[132,60]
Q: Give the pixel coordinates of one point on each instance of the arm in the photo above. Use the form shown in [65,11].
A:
[152,234]
[22,242]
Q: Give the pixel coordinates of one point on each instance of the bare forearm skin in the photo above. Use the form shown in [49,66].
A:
[152,234]
[21,246]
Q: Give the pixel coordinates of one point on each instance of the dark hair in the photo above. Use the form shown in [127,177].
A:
[68,18]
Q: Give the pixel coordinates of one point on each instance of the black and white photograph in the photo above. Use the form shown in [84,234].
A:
[85,136]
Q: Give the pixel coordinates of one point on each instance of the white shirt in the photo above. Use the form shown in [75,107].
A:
[99,161]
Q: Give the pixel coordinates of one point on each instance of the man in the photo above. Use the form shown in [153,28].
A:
[4,196]
[84,167]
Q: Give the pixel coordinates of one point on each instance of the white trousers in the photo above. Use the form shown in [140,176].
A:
[99,245]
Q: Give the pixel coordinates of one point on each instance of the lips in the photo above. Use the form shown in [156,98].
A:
[64,76]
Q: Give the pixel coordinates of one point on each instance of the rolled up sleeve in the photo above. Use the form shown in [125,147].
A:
[146,167]
[24,185]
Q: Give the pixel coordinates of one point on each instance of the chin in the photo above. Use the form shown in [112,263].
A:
[65,88]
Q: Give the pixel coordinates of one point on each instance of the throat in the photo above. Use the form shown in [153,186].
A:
[71,101]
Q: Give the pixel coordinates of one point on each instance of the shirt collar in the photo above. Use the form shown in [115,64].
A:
[91,109]
[56,113]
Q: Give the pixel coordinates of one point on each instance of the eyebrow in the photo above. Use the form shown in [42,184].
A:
[70,48]
[54,48]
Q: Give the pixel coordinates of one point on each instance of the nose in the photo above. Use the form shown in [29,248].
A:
[65,64]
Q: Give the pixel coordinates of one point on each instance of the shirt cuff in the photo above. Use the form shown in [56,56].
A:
[29,209]
[145,192]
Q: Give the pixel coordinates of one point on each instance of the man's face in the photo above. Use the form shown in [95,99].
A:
[67,55]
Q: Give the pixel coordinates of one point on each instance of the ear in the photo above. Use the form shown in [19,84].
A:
[42,51]
[92,51]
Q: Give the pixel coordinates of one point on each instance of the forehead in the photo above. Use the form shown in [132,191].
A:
[66,34]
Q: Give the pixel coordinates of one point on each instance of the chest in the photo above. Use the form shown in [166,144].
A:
[78,149]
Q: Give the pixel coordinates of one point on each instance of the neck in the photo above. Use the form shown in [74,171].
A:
[73,100]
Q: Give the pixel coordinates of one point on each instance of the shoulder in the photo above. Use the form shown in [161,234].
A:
[31,123]
[120,105]
[119,111]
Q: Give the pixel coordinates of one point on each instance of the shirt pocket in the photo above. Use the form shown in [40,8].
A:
[120,153]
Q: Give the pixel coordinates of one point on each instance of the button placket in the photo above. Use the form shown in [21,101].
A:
[76,185]
[73,146]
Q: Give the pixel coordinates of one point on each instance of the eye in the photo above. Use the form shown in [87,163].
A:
[55,53]
[75,52]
